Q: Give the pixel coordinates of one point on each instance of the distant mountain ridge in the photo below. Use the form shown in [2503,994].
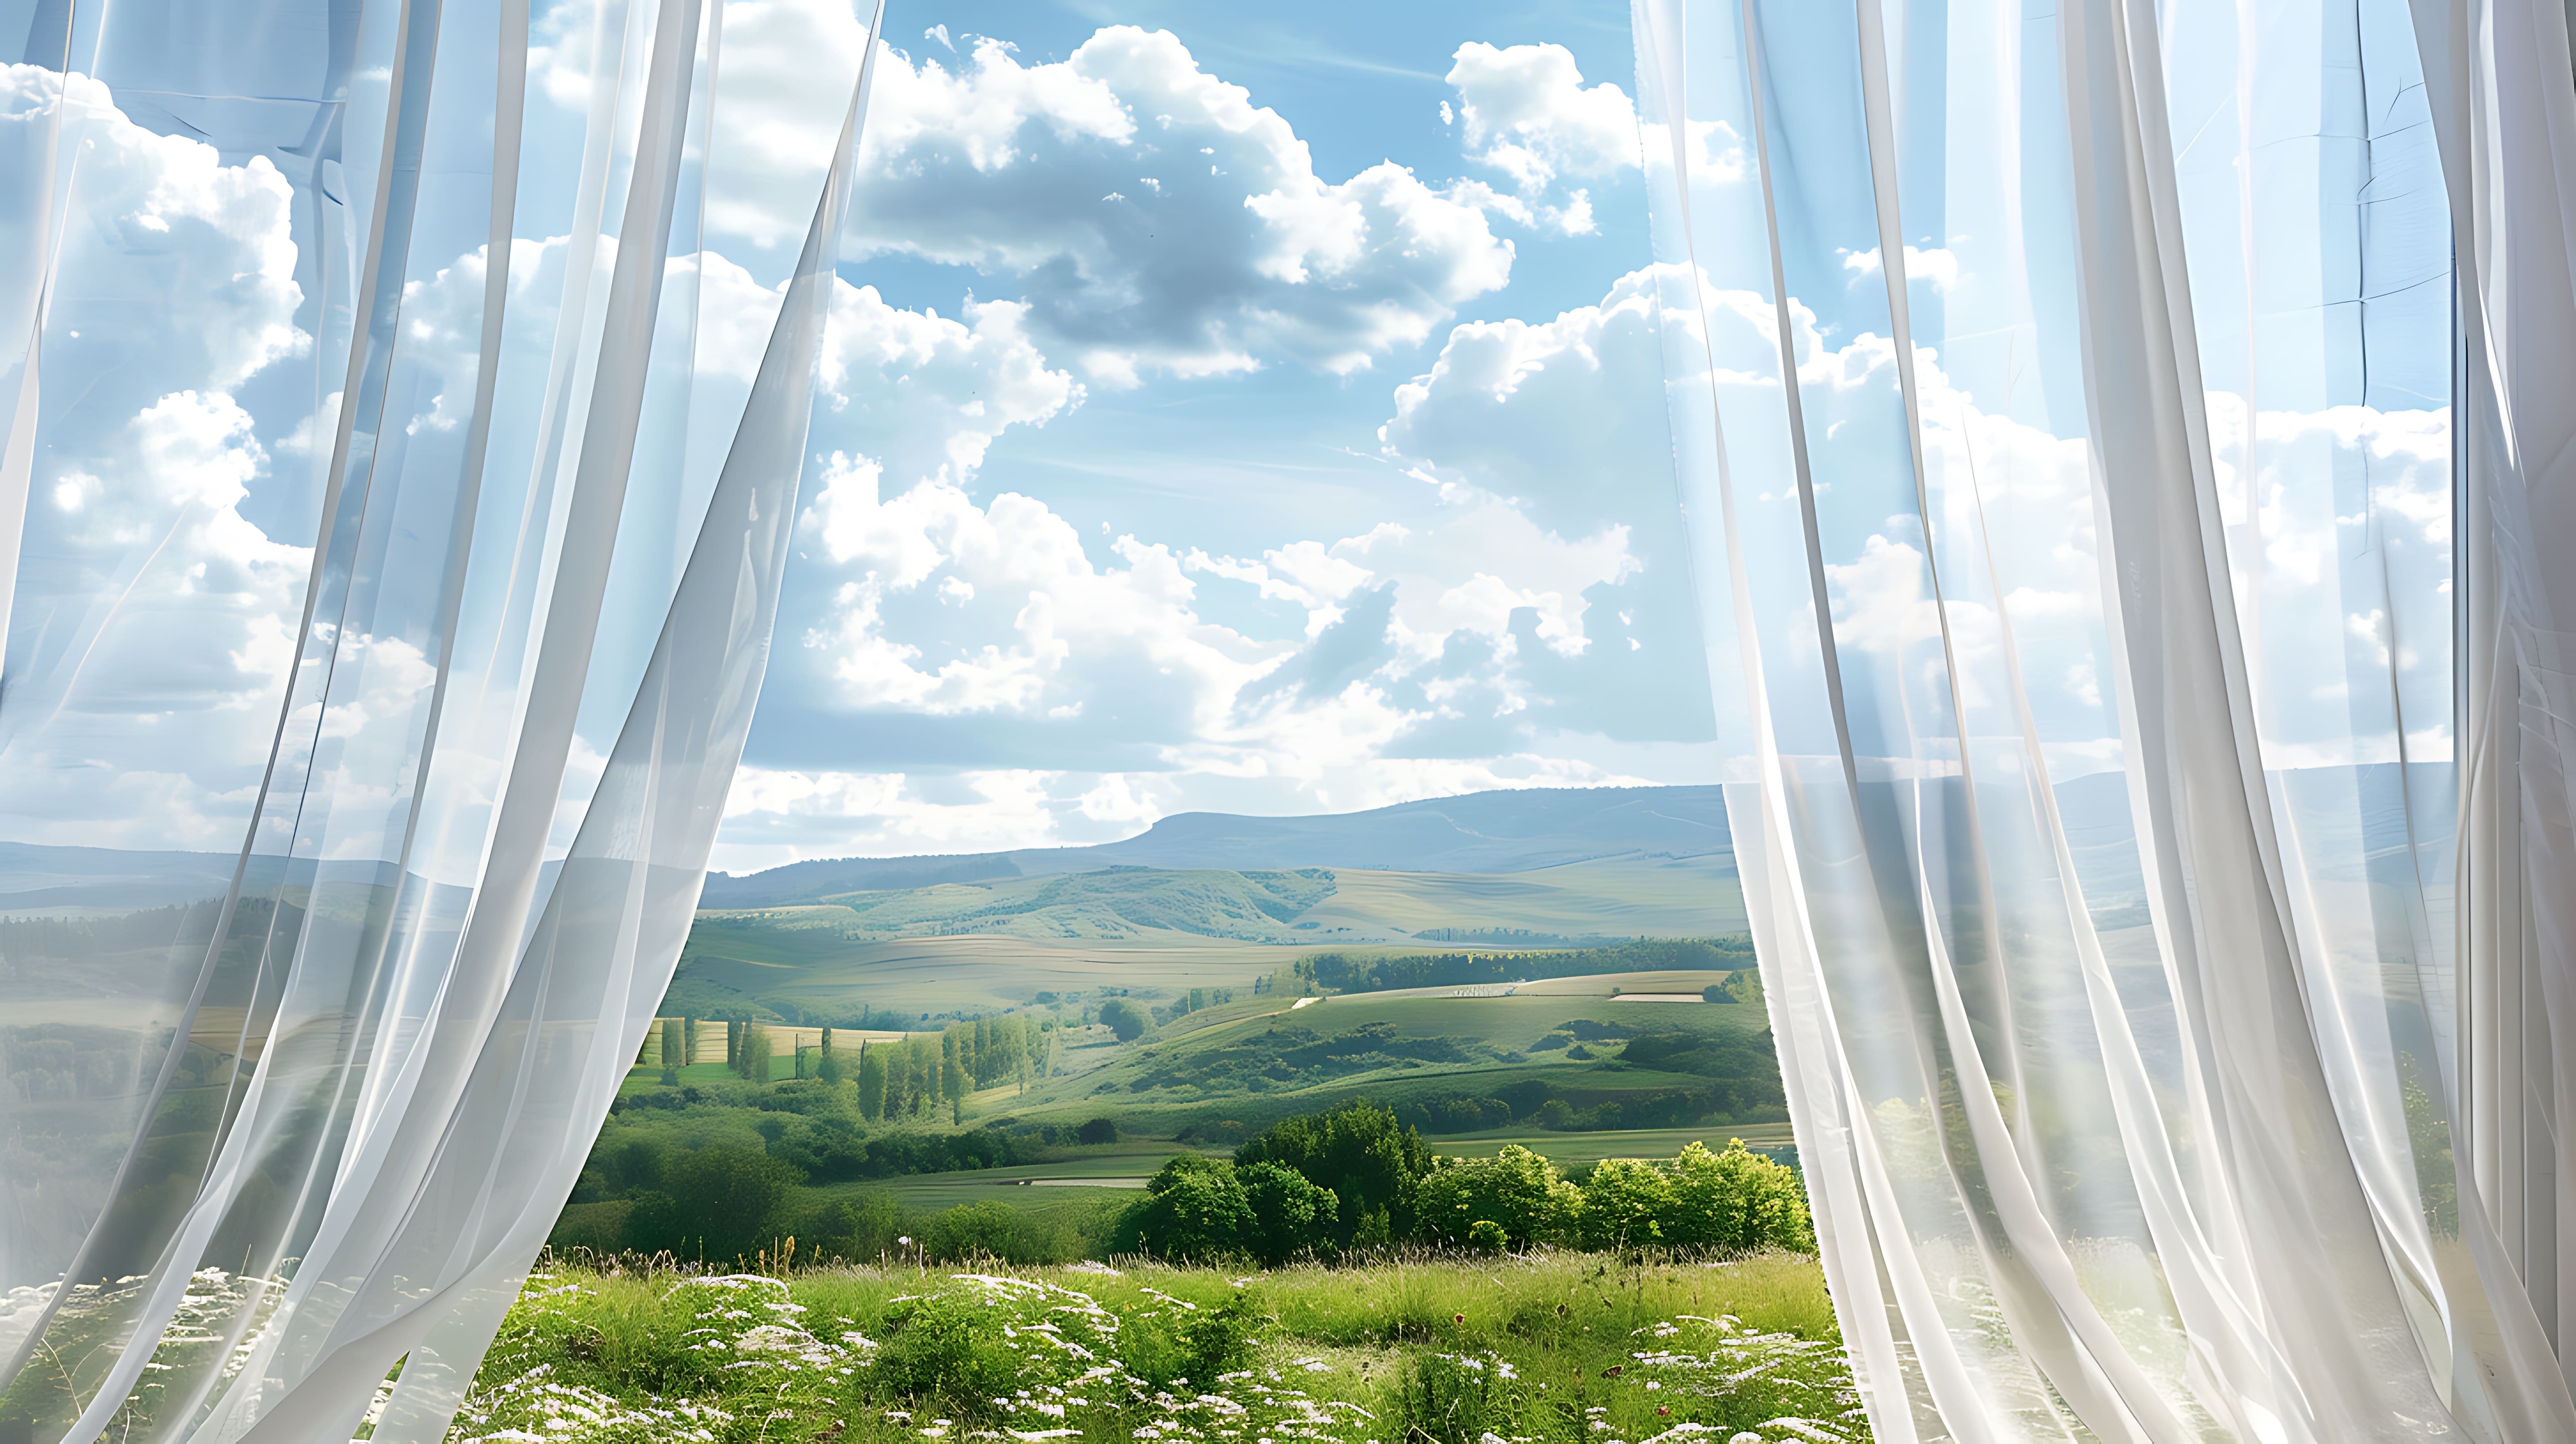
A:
[1509,830]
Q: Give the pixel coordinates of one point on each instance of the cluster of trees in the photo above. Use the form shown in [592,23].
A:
[51,1061]
[181,925]
[917,1075]
[705,1167]
[748,1049]
[1357,1177]
[1741,986]
[677,1171]
[1128,1020]
[1374,973]
[896,1079]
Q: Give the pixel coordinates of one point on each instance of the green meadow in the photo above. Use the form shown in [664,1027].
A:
[1550,1346]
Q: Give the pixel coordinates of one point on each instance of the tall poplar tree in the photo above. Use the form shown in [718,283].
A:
[872,1081]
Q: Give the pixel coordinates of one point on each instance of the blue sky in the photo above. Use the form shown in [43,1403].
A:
[1207,555]
[1261,411]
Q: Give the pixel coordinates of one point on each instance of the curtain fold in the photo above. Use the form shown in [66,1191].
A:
[2121,548]
[341,879]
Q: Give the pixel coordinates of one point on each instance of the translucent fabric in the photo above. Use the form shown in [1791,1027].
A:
[2063,402]
[393,516]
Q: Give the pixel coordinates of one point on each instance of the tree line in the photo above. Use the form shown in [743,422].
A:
[1375,973]
[1357,1178]
[910,1078]
[914,1077]
[1329,1186]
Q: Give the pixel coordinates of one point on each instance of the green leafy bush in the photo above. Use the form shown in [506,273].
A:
[715,1203]
[1292,1218]
[860,1229]
[993,1230]
[1517,1190]
[1360,1151]
[1194,1209]
[1219,1341]
[1735,1201]
[1199,1208]
[1626,1204]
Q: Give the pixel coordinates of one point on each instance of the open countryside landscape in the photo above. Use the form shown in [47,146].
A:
[1562,971]
[1455,1121]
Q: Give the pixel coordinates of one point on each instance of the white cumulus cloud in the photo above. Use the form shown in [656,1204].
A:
[1527,113]
[1155,218]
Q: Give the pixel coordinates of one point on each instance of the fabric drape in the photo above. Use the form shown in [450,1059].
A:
[394,522]
[2121,536]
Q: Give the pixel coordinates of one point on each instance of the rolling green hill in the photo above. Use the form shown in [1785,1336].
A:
[1453,1064]
[1113,903]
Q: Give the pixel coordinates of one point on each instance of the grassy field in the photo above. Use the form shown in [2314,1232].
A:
[1545,1347]
[1050,1188]
[1626,898]
[798,963]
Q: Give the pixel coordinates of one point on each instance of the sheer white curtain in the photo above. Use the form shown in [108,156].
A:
[396,487]
[2126,559]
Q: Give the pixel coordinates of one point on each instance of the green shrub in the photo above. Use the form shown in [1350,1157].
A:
[860,1229]
[1360,1151]
[1219,1341]
[1626,1205]
[950,1347]
[717,1203]
[1736,1201]
[1194,1209]
[1200,1208]
[1487,1236]
[993,1230]
[1099,1130]
[1292,1218]
[1517,1190]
